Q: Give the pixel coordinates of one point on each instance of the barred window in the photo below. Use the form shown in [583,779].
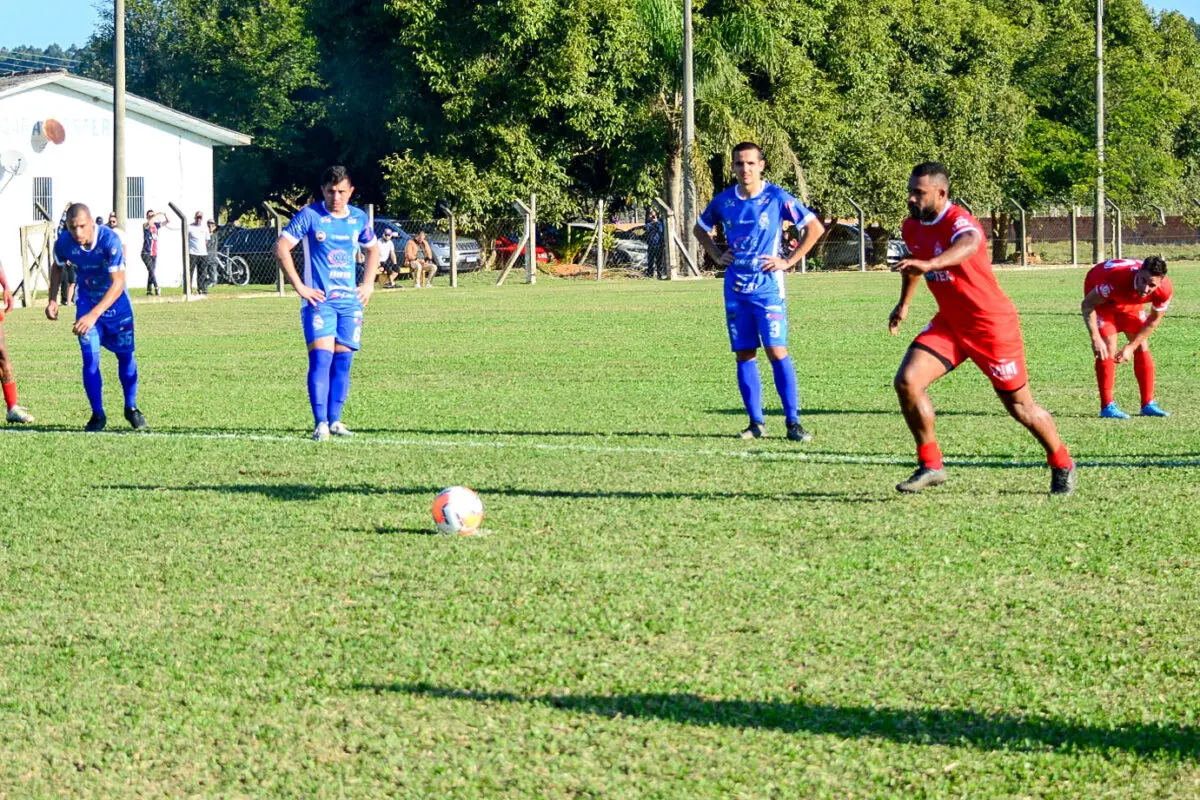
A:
[43,198]
[135,198]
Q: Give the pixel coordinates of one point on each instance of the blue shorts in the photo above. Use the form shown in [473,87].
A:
[341,319]
[113,332]
[752,317]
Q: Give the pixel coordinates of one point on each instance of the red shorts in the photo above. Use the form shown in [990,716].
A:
[999,354]
[1127,320]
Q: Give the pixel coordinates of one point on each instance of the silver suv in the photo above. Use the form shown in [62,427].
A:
[439,243]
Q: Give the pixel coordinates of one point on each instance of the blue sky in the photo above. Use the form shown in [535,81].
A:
[66,22]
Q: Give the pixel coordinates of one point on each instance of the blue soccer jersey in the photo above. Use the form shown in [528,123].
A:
[331,245]
[753,228]
[93,269]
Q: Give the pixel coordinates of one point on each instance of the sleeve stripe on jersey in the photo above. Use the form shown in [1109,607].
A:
[287,235]
[969,229]
[1163,307]
[809,217]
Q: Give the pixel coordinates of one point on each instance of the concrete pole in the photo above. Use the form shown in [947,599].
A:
[1098,233]
[690,211]
[119,187]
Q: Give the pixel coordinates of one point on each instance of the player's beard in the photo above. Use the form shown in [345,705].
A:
[926,215]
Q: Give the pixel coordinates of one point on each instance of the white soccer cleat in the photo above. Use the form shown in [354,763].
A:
[339,428]
[19,416]
[321,432]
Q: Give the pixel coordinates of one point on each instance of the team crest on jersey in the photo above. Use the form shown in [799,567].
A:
[937,249]
[1104,289]
[318,322]
[764,220]
[319,236]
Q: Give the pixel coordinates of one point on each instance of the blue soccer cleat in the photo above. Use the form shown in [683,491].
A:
[1113,411]
[1151,409]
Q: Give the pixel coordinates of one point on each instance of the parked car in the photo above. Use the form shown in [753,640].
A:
[626,247]
[439,243]
[506,246]
[838,248]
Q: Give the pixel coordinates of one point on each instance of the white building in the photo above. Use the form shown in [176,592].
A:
[168,158]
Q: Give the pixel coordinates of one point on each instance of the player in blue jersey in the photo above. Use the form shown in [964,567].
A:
[751,215]
[331,232]
[103,314]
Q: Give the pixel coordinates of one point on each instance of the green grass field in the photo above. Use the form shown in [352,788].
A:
[224,608]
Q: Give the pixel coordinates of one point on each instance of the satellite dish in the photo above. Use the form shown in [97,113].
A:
[13,162]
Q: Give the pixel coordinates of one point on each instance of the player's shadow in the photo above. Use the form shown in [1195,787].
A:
[922,726]
[292,492]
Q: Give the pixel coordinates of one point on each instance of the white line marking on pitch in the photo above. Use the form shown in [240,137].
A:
[753,455]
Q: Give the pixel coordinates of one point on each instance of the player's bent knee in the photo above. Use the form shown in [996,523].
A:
[745,355]
[776,353]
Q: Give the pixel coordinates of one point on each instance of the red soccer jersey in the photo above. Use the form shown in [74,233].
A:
[967,294]
[1114,279]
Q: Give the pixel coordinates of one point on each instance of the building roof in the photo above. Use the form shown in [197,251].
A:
[103,93]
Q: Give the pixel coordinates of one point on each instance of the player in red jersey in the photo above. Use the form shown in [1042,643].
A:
[16,415]
[975,320]
[1115,293]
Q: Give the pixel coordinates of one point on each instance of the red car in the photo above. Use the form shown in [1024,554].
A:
[506,246]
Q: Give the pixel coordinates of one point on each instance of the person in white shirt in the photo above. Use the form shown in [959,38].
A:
[116,228]
[387,258]
[198,261]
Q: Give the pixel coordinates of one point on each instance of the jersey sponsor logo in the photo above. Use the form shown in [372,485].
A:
[338,258]
[939,276]
[730,203]
[319,236]
[326,220]
[1005,370]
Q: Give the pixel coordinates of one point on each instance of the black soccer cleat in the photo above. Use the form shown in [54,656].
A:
[796,432]
[921,479]
[756,430]
[1062,480]
[96,423]
[135,418]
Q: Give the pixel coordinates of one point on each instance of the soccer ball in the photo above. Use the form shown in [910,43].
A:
[458,510]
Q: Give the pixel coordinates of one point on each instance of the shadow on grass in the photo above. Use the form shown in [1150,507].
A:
[304,491]
[931,726]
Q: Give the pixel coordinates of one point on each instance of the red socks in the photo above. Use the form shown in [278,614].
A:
[1143,369]
[930,455]
[1106,373]
[1060,458]
[10,393]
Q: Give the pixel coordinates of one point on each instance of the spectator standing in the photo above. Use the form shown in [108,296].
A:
[115,225]
[654,246]
[198,261]
[68,277]
[150,248]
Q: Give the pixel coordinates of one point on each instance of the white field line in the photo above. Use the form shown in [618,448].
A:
[496,444]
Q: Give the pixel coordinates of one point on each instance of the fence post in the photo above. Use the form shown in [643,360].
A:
[964,204]
[1118,244]
[1074,236]
[862,236]
[1021,235]
[187,272]
[599,238]
[521,208]
[671,255]
[531,253]
[1162,215]
[453,251]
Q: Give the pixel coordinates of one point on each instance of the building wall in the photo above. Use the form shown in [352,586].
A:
[176,165]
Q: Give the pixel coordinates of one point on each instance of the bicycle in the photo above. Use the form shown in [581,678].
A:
[231,269]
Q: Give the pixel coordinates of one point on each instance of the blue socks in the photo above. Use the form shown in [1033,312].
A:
[318,383]
[127,370]
[788,388]
[750,385]
[339,384]
[93,385]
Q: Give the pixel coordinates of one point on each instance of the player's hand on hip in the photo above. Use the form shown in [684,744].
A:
[774,263]
[896,317]
[364,294]
[726,258]
[52,310]
[313,296]
[1100,348]
[1125,353]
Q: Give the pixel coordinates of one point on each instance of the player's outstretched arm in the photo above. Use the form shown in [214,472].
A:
[283,252]
[1088,309]
[1152,321]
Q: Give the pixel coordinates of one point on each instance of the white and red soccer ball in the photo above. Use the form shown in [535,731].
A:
[458,510]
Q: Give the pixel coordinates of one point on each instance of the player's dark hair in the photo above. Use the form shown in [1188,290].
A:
[740,146]
[1156,266]
[78,209]
[931,169]
[335,175]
